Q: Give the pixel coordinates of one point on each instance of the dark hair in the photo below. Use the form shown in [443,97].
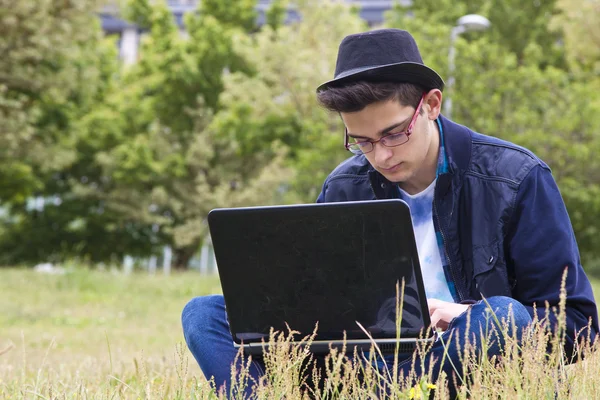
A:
[356,96]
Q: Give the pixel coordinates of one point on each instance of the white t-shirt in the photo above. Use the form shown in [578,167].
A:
[421,211]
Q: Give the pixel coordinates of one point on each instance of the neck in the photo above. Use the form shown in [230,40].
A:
[427,173]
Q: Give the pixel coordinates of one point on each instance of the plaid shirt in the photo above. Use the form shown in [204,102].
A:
[442,168]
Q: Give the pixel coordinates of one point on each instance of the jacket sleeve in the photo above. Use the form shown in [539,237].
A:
[321,198]
[541,246]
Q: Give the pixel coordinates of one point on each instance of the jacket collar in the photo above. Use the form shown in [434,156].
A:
[457,140]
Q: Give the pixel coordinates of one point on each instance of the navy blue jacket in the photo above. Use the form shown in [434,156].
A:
[505,226]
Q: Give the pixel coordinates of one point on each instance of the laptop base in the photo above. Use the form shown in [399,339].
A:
[386,346]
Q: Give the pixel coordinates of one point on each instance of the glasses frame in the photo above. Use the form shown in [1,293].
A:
[407,132]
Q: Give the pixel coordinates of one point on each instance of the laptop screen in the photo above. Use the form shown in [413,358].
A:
[334,264]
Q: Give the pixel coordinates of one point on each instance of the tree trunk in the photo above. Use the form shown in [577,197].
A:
[182,257]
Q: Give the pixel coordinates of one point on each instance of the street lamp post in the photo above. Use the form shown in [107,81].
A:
[466,23]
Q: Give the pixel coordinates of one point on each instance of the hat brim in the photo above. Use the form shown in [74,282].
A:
[408,72]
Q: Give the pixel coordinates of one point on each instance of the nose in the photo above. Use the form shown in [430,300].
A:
[382,153]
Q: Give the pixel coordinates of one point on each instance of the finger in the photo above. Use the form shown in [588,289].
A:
[439,319]
[434,304]
[435,318]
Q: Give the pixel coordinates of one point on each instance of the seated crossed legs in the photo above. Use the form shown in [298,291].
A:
[208,337]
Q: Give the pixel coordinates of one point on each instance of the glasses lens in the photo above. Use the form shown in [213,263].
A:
[394,140]
[360,147]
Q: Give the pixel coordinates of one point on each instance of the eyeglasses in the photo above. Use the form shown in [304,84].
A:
[391,140]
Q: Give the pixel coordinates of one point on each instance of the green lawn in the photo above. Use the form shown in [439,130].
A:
[90,325]
[596,286]
[99,333]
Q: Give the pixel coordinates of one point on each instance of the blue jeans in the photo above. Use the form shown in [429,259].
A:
[207,335]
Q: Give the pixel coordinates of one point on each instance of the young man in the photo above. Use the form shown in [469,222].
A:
[489,219]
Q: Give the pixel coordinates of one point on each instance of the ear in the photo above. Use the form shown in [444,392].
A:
[433,103]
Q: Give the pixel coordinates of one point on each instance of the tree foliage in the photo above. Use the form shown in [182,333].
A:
[42,85]
[580,23]
[171,165]
[55,68]
[277,104]
[100,159]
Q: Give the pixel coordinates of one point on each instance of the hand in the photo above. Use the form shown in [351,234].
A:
[442,313]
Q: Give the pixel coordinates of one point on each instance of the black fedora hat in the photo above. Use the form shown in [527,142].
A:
[383,55]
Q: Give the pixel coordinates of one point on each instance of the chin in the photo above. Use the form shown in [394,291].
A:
[396,176]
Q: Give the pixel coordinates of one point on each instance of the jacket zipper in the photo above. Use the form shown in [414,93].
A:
[373,190]
[452,272]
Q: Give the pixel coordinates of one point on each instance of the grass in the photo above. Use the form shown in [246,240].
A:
[97,332]
[102,335]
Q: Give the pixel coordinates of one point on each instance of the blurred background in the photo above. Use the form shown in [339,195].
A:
[122,124]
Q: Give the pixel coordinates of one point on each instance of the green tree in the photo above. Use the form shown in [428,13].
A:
[579,22]
[515,24]
[169,166]
[40,44]
[56,69]
[276,13]
[277,104]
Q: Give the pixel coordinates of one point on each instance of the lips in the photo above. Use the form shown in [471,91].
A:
[392,169]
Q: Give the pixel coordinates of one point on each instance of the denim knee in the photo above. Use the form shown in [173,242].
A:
[494,312]
[507,308]
[200,311]
[203,303]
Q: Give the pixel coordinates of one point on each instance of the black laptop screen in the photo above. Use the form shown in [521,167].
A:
[334,264]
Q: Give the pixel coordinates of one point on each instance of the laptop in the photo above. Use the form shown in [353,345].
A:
[337,265]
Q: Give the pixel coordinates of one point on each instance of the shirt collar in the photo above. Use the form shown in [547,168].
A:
[442,166]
